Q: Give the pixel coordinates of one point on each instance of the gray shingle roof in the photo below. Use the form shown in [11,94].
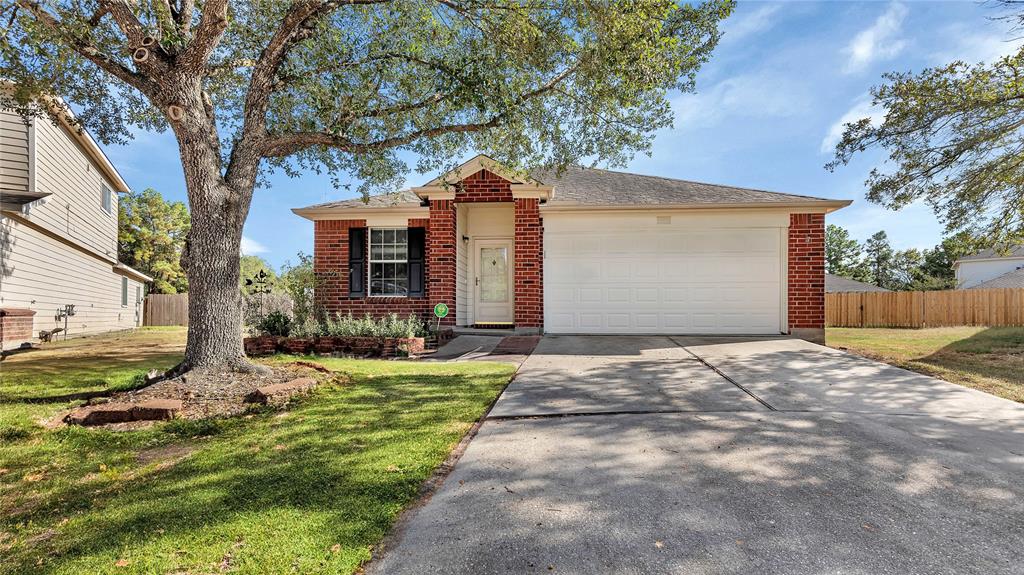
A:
[1014,279]
[836,284]
[399,198]
[595,187]
[592,186]
[991,253]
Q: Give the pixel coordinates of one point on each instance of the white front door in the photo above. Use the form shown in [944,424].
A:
[493,282]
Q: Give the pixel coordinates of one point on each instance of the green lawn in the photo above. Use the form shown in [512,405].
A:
[307,490]
[989,359]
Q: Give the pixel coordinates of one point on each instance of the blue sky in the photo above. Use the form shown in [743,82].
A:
[768,108]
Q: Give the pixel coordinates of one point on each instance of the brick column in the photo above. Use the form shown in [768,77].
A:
[15,326]
[330,262]
[441,256]
[529,266]
[806,301]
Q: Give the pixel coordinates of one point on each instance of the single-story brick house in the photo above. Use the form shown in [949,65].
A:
[585,251]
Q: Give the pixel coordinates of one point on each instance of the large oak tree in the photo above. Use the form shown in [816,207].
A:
[350,87]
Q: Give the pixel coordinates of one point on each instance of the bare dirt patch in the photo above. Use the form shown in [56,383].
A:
[213,393]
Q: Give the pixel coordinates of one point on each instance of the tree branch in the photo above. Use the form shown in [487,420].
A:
[103,61]
[212,24]
[288,144]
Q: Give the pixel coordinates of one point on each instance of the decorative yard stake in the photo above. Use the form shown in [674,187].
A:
[259,284]
[440,310]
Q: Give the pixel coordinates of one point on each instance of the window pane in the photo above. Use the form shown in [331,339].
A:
[376,252]
[389,236]
[401,287]
[401,271]
[376,236]
[376,271]
[400,252]
[401,237]
[389,271]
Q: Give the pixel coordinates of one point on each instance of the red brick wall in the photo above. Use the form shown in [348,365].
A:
[807,271]
[331,257]
[441,256]
[15,326]
[483,186]
[529,264]
[330,264]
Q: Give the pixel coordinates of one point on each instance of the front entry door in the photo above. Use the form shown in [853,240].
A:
[493,266]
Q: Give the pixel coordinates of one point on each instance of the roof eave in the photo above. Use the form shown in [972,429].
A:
[826,206]
[355,213]
[129,271]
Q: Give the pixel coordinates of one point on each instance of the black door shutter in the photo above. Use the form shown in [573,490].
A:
[417,241]
[356,262]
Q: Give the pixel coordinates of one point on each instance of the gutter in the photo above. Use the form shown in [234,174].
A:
[827,206]
[313,214]
[125,270]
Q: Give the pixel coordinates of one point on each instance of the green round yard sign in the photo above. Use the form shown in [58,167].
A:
[441,310]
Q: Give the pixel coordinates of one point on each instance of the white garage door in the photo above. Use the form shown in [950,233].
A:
[674,274]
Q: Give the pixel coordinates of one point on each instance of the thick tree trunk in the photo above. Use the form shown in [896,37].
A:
[212,248]
[215,304]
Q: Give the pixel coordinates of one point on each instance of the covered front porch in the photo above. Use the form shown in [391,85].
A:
[485,247]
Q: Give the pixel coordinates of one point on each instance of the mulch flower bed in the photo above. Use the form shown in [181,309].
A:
[214,393]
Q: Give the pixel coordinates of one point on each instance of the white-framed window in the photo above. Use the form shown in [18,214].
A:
[107,199]
[389,262]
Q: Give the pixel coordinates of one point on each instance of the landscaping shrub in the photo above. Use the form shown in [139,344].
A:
[306,328]
[390,326]
[275,323]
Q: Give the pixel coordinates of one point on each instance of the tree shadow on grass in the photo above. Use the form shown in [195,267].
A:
[992,360]
[335,469]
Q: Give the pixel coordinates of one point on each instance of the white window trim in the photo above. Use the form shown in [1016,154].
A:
[370,261]
[106,199]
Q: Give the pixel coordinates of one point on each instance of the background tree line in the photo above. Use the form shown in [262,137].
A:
[876,262]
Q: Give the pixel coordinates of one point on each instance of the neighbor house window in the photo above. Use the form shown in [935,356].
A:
[389,262]
[106,199]
[124,291]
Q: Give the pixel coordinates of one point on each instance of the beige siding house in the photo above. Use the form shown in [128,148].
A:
[58,235]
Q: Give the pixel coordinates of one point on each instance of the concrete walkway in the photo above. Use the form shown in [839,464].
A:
[634,455]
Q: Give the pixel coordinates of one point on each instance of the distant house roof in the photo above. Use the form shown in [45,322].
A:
[1014,279]
[993,254]
[592,187]
[836,284]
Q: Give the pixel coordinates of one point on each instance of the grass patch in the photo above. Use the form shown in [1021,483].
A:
[988,359]
[307,490]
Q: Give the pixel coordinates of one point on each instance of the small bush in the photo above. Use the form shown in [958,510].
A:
[275,323]
[306,328]
[390,326]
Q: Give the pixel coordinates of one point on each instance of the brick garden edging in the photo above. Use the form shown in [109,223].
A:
[385,347]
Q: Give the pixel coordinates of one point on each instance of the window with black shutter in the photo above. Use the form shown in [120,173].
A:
[417,253]
[356,262]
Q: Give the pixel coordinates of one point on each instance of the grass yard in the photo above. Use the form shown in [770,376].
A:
[306,490]
[987,358]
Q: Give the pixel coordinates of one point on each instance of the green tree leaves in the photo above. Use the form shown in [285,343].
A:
[955,139]
[876,262]
[150,236]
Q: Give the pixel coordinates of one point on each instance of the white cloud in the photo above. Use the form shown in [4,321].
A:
[764,94]
[880,41]
[750,24]
[251,247]
[976,44]
[862,108]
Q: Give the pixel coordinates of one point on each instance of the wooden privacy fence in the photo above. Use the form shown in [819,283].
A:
[166,309]
[988,307]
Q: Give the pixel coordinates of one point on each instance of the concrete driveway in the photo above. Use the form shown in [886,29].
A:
[725,455]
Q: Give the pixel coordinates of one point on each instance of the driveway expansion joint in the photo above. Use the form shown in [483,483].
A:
[723,375]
